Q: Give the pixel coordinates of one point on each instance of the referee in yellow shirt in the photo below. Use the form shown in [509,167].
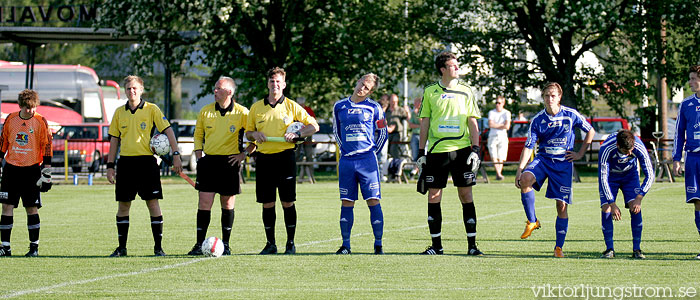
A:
[139,173]
[275,163]
[219,134]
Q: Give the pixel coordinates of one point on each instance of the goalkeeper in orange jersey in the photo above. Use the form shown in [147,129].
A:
[25,145]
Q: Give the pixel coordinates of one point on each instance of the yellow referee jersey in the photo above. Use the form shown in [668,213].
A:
[134,127]
[219,130]
[272,120]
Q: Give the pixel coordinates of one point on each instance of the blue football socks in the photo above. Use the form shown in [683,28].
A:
[347,217]
[561,225]
[697,220]
[636,229]
[607,225]
[528,200]
[377,218]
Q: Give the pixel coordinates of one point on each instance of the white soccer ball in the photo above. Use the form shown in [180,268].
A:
[294,127]
[160,145]
[213,246]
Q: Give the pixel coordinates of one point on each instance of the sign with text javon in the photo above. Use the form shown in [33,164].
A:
[45,14]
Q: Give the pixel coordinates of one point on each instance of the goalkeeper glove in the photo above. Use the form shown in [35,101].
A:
[44,182]
[420,161]
[474,160]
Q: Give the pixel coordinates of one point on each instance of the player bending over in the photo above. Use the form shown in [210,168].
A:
[617,167]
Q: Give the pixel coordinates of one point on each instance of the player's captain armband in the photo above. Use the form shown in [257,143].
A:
[381,123]
[449,128]
[697,135]
[555,150]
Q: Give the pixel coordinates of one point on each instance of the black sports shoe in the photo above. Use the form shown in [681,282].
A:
[196,250]
[343,250]
[638,254]
[609,253]
[290,248]
[227,250]
[378,250]
[269,249]
[6,251]
[158,252]
[119,252]
[432,251]
[475,252]
[33,251]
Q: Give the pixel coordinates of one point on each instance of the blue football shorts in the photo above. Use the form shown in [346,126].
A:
[362,170]
[692,167]
[560,174]
[628,182]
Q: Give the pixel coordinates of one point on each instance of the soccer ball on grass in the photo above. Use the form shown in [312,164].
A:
[213,246]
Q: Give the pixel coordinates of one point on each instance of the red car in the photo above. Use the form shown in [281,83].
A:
[517,134]
[88,146]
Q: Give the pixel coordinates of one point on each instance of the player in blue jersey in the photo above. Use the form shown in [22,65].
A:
[617,167]
[553,129]
[360,130]
[688,139]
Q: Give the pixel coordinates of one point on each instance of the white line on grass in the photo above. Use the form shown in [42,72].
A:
[85,281]
[150,270]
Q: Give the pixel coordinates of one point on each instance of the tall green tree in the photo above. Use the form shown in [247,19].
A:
[495,37]
[167,29]
[323,45]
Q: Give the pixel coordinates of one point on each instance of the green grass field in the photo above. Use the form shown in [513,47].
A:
[78,232]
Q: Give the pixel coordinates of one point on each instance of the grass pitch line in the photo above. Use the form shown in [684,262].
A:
[86,281]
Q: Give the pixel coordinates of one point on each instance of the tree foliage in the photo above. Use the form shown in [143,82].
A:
[495,37]
[323,45]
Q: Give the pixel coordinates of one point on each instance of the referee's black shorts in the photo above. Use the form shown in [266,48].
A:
[216,175]
[276,171]
[138,174]
[20,182]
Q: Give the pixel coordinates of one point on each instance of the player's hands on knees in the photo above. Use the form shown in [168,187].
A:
[615,212]
[110,175]
[677,168]
[177,164]
[518,174]
[636,204]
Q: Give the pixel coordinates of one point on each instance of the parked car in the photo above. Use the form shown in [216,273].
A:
[184,130]
[88,146]
[604,126]
[517,135]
